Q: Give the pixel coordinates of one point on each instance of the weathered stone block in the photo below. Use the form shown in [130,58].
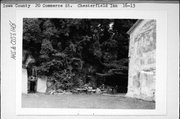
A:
[147,84]
[41,85]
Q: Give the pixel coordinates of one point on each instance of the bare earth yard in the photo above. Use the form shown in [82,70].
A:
[84,101]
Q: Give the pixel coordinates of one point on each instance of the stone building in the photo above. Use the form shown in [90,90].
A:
[32,83]
[26,60]
[142,60]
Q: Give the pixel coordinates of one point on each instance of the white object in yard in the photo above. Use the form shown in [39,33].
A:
[98,91]
[41,85]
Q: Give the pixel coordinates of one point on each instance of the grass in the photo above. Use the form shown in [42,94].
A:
[84,101]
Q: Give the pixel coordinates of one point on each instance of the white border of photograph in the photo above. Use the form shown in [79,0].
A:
[161,59]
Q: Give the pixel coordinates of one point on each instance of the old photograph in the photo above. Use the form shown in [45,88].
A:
[111,59]
[89,63]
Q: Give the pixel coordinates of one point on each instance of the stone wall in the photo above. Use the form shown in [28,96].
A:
[24,81]
[142,60]
[41,85]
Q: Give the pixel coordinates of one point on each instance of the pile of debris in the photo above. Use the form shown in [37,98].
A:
[87,89]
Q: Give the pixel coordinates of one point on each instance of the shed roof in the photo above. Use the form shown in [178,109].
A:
[134,26]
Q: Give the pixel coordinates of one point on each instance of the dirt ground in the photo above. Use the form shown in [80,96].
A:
[84,101]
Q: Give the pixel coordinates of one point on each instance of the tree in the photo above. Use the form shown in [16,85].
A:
[69,50]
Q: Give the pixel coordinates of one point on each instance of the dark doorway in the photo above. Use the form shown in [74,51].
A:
[32,86]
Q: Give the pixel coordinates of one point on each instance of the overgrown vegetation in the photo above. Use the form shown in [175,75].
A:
[74,52]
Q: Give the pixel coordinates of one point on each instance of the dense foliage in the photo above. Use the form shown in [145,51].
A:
[73,52]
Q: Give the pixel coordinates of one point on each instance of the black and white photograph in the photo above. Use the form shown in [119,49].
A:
[89,59]
[88,63]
